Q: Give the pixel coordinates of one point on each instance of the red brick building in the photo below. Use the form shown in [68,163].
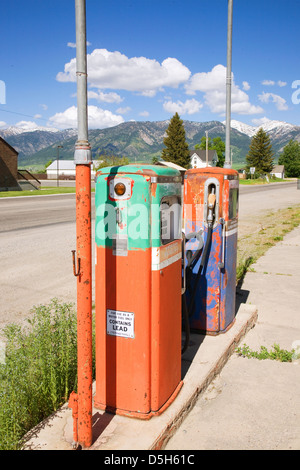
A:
[8,167]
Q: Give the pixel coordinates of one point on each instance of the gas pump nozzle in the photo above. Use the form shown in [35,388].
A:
[211,204]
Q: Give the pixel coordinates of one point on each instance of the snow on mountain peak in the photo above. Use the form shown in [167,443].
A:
[21,129]
[252,130]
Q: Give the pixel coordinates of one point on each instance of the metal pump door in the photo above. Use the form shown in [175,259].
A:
[138,289]
[211,212]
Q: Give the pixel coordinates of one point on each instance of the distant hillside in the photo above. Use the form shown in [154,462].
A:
[139,141]
[29,142]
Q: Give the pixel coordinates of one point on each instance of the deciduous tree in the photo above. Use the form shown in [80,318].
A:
[290,158]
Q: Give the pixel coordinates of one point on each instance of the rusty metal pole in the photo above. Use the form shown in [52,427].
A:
[83,160]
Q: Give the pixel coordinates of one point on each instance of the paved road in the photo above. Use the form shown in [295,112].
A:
[19,213]
[37,235]
[33,212]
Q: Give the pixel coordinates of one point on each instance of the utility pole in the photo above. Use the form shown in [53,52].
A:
[57,164]
[228,85]
[206,133]
[83,161]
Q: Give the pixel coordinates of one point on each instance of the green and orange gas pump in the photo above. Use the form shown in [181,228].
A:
[138,289]
[211,224]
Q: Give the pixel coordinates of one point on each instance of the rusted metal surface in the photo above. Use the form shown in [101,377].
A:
[215,298]
[84,303]
[76,269]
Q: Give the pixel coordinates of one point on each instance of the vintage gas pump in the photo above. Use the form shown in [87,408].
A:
[211,223]
[138,289]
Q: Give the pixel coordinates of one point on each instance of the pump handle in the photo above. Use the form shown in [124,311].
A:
[211,200]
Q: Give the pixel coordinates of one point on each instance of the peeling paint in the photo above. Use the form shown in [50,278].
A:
[215,298]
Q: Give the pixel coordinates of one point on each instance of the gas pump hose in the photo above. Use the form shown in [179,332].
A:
[185,315]
[203,263]
[210,222]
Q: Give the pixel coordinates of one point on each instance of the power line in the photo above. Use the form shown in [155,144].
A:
[24,115]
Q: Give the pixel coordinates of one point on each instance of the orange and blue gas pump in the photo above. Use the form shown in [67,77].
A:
[138,275]
[211,225]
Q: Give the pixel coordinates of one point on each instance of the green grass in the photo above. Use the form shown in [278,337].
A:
[260,181]
[39,370]
[38,192]
[269,230]
[41,192]
[275,354]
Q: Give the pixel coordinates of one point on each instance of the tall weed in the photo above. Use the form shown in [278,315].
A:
[39,372]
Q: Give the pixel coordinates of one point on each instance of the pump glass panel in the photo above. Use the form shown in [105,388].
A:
[233,203]
[170,211]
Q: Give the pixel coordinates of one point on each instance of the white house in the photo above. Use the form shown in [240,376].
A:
[198,158]
[278,171]
[66,169]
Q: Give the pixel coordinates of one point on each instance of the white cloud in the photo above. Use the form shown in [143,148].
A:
[105,97]
[268,82]
[114,70]
[280,102]
[188,107]
[73,44]
[144,113]
[27,125]
[37,116]
[124,110]
[2,124]
[44,106]
[246,86]
[206,82]
[97,118]
[213,85]
[272,83]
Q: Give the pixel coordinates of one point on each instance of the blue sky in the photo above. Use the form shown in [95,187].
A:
[148,59]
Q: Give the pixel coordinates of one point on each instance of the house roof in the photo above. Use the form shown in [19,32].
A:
[6,143]
[171,165]
[278,169]
[202,154]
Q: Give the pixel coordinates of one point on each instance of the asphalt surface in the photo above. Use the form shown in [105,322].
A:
[19,213]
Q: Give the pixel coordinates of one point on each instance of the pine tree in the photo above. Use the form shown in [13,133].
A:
[260,153]
[177,149]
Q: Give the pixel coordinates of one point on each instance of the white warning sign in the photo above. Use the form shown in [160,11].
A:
[120,323]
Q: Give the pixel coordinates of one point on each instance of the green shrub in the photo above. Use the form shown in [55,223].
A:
[39,371]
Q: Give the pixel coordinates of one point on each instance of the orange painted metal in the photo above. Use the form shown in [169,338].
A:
[116,389]
[84,304]
[145,391]
[166,331]
[137,291]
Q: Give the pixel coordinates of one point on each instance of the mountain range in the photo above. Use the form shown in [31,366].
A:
[139,141]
